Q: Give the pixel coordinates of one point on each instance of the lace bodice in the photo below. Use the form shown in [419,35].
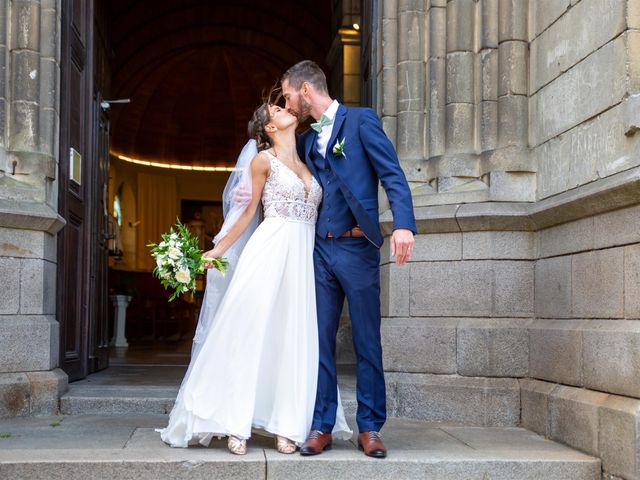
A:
[285,196]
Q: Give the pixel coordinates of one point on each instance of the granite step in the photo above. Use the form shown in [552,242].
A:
[123,400]
[127,447]
[473,401]
[147,390]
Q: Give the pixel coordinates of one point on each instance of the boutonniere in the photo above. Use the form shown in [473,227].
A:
[338,148]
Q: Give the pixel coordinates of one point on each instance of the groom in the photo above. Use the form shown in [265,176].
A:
[348,153]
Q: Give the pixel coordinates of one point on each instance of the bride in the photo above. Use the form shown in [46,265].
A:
[254,362]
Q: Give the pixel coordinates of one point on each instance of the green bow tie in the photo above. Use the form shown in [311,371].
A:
[324,120]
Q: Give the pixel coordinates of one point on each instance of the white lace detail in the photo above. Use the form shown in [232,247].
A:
[285,195]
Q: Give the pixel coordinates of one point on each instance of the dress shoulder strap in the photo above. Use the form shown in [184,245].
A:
[273,161]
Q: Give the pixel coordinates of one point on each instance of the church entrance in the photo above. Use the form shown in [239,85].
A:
[156,96]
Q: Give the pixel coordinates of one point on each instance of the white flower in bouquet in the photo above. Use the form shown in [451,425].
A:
[183,276]
[179,260]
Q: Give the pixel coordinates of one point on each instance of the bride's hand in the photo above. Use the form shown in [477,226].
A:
[213,253]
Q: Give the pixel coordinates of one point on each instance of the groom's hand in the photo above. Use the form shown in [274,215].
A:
[402,245]
[242,195]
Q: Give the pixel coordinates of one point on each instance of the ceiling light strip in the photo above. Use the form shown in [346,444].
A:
[173,166]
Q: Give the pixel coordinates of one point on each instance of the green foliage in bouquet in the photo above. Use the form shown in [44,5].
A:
[179,260]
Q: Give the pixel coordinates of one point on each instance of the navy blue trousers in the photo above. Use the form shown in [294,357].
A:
[351,267]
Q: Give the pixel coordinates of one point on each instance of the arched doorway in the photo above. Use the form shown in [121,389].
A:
[193,71]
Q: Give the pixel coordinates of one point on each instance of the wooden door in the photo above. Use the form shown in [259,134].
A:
[74,195]
[98,249]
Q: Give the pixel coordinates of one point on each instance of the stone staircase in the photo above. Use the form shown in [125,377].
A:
[140,389]
[106,430]
[126,446]
[121,400]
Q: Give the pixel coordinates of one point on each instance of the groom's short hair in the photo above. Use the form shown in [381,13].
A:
[306,71]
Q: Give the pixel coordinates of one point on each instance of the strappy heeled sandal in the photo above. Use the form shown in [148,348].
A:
[237,445]
[284,445]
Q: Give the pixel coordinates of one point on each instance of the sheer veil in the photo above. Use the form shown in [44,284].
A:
[233,206]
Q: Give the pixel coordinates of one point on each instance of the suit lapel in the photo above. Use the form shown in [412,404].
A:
[312,138]
[341,114]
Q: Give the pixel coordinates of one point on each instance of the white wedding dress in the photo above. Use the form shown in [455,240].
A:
[258,364]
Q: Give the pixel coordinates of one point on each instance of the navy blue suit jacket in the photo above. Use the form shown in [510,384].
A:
[370,157]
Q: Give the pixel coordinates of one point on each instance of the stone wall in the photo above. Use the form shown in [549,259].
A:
[585,341]
[30,383]
[517,123]
[452,85]
[582,86]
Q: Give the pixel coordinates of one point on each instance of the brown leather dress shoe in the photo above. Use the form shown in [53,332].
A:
[317,442]
[371,444]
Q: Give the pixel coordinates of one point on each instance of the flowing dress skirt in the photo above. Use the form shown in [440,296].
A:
[258,364]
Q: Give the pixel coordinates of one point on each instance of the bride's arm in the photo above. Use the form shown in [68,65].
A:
[260,167]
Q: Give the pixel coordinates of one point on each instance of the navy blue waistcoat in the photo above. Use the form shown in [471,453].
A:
[334,215]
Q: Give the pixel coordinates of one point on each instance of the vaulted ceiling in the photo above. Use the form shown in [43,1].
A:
[195,70]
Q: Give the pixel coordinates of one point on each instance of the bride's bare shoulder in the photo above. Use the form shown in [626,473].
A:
[261,163]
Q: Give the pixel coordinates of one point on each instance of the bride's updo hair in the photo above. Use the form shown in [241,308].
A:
[257,124]
[261,118]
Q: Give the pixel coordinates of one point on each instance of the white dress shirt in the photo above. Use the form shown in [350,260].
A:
[325,134]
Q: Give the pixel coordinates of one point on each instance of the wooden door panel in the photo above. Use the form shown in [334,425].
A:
[78,18]
[98,317]
[76,110]
[72,309]
[76,84]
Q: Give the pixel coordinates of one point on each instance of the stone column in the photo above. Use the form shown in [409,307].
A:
[489,76]
[513,56]
[474,121]
[460,97]
[409,81]
[457,170]
[403,98]
[388,45]
[4,22]
[30,383]
[435,83]
[120,302]
[511,173]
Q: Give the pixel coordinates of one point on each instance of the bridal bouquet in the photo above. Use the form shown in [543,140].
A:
[179,260]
